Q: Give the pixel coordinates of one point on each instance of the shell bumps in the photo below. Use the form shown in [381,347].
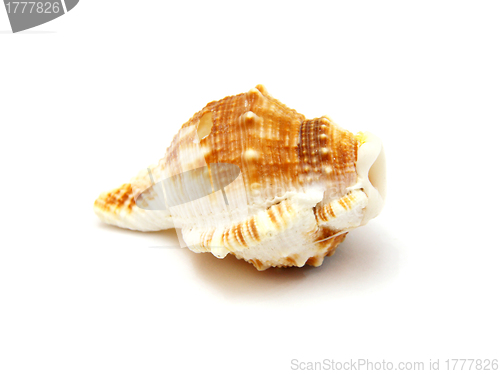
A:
[248,176]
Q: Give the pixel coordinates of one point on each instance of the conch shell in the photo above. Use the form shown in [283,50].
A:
[248,176]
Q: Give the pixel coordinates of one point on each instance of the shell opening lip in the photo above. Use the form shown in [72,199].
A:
[371,171]
[376,174]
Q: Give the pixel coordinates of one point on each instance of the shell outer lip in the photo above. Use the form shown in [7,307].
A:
[371,171]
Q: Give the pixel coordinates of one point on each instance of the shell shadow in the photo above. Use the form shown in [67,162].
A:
[168,236]
[366,260]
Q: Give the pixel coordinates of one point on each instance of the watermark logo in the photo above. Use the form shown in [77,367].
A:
[25,15]
[196,195]
[202,197]
[209,179]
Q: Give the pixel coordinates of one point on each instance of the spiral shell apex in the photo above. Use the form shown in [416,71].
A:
[251,177]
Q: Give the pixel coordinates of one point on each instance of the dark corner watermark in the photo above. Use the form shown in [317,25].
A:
[25,15]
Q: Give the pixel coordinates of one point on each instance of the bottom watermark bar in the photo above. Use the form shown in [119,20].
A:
[360,364]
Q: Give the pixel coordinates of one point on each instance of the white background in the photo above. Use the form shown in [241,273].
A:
[91,98]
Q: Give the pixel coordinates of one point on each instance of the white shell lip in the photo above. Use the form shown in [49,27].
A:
[371,170]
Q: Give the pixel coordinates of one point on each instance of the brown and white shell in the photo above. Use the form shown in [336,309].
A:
[301,184]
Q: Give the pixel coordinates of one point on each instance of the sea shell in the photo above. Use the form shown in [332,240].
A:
[248,176]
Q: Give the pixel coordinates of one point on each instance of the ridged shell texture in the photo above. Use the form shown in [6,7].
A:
[295,196]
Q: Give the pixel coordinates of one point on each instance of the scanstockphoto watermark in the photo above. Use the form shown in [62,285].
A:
[198,196]
[362,364]
[354,365]
[25,15]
